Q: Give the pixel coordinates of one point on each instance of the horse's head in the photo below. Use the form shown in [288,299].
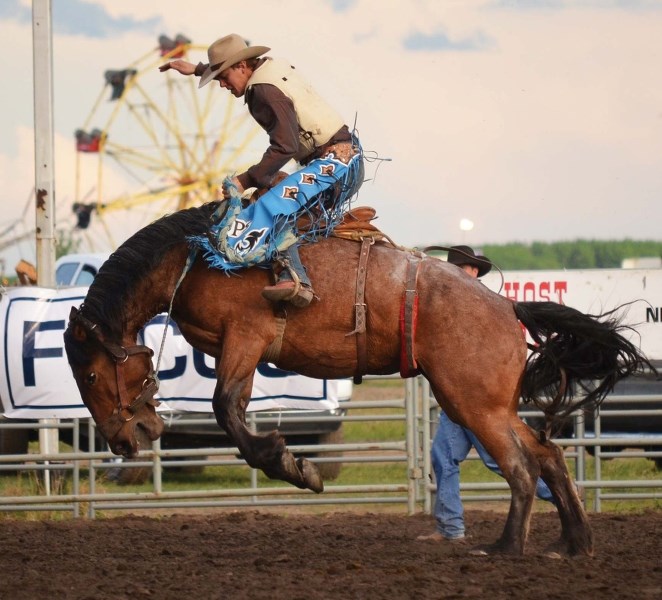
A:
[117,384]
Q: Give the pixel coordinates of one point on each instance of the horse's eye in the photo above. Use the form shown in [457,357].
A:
[91,378]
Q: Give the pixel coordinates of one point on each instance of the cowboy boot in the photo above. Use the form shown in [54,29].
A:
[293,284]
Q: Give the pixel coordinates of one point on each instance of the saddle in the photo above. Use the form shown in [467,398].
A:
[356,225]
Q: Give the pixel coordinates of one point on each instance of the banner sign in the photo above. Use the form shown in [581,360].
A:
[36,379]
[37,383]
[595,291]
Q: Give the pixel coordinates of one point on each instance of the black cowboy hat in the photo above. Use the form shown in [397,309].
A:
[464,255]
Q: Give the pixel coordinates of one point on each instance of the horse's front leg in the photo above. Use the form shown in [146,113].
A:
[267,452]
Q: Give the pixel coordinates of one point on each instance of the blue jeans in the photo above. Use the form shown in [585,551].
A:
[450,447]
[292,255]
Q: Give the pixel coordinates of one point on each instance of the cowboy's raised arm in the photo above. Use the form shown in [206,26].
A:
[184,67]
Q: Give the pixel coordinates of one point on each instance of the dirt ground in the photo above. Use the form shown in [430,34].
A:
[250,554]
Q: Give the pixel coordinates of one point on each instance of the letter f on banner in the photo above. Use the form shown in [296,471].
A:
[30,329]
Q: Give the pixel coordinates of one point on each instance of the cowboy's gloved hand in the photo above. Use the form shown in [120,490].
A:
[226,188]
[182,66]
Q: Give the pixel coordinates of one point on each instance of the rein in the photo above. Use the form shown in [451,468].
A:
[187,267]
[125,410]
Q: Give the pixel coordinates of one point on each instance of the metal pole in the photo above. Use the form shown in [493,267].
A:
[430,414]
[42,47]
[413,471]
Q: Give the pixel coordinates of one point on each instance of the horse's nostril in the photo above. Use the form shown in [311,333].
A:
[122,448]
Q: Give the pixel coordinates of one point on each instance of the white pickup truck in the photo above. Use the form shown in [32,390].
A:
[78,269]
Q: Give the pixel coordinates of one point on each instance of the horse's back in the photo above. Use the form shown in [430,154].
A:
[454,310]
[321,339]
[333,266]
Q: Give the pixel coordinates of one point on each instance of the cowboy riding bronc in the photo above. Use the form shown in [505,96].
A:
[301,126]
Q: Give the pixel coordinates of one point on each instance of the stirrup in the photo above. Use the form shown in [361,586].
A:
[298,295]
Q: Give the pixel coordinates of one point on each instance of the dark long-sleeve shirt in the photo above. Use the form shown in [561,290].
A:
[274,112]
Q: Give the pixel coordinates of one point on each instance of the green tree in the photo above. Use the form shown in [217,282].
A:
[573,254]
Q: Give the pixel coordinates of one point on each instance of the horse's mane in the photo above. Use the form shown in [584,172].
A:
[140,254]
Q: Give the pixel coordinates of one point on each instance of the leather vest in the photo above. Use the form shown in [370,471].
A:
[318,122]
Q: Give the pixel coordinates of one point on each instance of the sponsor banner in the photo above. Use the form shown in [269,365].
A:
[595,291]
[37,383]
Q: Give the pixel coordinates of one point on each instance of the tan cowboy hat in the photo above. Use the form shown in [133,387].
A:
[228,51]
[464,255]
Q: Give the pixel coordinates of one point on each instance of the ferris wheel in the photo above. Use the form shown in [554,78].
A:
[154,143]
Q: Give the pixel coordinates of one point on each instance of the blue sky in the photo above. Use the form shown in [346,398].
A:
[536,120]
[79,18]
[439,41]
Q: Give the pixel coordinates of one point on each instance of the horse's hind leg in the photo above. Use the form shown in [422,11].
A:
[518,465]
[522,462]
[576,534]
[267,452]
[520,470]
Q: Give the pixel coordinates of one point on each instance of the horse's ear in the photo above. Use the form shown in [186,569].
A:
[77,330]
[79,333]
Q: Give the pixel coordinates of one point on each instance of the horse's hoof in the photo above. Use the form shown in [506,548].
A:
[562,549]
[494,549]
[555,550]
[311,475]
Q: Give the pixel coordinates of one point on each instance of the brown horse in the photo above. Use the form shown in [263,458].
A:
[468,344]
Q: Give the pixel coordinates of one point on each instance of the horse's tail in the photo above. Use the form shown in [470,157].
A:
[577,359]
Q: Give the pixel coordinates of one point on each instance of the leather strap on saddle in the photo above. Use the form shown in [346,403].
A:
[360,311]
[408,320]
[355,226]
[272,353]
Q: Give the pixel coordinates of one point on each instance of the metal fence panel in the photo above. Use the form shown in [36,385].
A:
[415,409]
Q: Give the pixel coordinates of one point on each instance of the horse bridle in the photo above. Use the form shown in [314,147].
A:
[125,411]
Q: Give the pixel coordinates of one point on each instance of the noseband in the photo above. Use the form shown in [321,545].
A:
[125,411]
